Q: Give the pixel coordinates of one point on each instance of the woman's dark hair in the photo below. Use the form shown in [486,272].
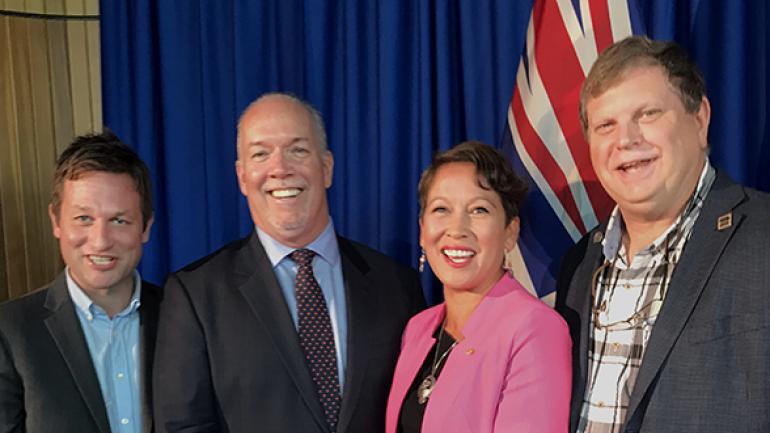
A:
[493,170]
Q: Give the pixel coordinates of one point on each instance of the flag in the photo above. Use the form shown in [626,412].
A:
[544,139]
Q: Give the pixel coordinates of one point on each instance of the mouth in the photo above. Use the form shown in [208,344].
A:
[458,255]
[639,164]
[101,260]
[285,193]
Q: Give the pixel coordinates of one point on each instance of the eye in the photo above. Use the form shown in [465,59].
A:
[479,210]
[604,127]
[651,114]
[82,219]
[259,153]
[299,151]
[120,221]
[439,209]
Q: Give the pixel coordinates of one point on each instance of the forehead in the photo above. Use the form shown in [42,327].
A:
[634,86]
[456,179]
[274,120]
[101,189]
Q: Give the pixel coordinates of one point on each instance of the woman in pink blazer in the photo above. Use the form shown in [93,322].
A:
[492,357]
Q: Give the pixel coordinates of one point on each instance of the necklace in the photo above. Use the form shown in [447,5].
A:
[426,386]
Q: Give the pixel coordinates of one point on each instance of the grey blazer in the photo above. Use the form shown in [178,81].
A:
[229,359]
[48,383]
[707,363]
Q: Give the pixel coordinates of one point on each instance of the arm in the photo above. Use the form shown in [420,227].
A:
[536,392]
[183,393]
[12,412]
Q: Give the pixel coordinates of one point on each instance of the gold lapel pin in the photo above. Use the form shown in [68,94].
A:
[725,221]
[598,237]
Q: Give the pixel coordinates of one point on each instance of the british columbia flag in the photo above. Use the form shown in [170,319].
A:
[544,139]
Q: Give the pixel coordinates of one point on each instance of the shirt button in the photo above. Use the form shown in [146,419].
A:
[627,286]
[120,375]
[599,404]
[124,421]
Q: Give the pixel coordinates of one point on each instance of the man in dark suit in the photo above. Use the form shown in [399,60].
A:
[669,301]
[75,356]
[292,329]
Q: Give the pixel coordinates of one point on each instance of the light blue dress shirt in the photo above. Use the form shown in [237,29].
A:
[114,347]
[327,268]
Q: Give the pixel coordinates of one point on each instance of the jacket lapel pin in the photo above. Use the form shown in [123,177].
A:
[725,221]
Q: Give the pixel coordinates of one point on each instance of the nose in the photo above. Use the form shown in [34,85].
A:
[280,165]
[629,134]
[458,227]
[99,235]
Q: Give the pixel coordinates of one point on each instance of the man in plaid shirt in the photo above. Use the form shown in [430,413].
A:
[668,301]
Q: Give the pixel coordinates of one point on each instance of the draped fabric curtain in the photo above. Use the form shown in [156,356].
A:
[395,81]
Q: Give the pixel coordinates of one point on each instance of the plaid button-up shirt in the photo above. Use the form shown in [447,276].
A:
[626,301]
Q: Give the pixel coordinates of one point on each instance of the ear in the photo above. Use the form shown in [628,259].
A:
[54,222]
[703,118]
[146,234]
[240,171]
[512,234]
[422,244]
[328,167]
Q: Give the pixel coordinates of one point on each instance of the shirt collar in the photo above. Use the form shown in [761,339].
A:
[325,246]
[611,244]
[84,303]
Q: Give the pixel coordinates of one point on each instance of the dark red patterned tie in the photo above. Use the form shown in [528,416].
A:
[316,336]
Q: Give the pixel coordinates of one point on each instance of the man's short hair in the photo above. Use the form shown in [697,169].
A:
[639,51]
[315,116]
[106,153]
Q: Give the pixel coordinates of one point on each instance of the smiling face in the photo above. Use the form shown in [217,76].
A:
[283,172]
[463,230]
[100,232]
[646,149]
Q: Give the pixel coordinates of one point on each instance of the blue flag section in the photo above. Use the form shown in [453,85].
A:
[396,81]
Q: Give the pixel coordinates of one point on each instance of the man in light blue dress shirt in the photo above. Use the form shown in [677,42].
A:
[232,355]
[75,356]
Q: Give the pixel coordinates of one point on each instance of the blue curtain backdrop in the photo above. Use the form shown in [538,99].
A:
[396,80]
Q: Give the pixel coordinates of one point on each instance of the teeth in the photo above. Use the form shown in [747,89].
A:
[634,164]
[458,253]
[100,260]
[284,193]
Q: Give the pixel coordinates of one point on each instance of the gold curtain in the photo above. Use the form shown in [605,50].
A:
[50,88]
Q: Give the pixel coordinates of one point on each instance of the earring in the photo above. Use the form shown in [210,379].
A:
[421,261]
[507,265]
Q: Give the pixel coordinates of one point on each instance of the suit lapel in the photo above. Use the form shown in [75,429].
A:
[579,300]
[265,298]
[362,317]
[64,327]
[148,322]
[694,269]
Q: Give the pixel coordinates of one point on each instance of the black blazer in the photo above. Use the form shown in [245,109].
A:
[707,363]
[48,383]
[228,356]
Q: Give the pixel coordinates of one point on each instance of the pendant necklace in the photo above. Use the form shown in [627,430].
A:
[426,386]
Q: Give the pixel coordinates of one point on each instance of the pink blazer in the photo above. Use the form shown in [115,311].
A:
[512,373]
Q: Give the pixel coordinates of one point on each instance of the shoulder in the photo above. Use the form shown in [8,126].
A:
[517,317]
[424,321]
[222,258]
[19,313]
[367,257]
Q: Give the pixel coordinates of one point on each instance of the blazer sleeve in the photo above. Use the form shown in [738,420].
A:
[183,395]
[12,413]
[536,392]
